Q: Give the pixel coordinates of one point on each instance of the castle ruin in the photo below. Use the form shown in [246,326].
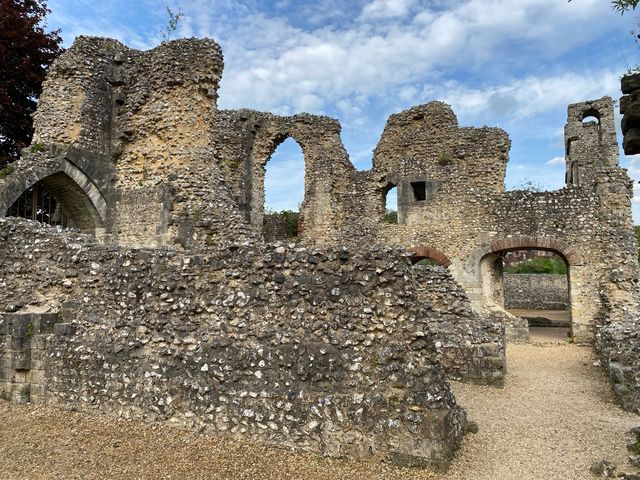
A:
[165,303]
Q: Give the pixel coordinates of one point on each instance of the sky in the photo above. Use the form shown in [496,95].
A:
[513,64]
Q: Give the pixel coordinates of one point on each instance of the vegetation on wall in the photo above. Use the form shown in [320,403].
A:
[290,219]
[173,22]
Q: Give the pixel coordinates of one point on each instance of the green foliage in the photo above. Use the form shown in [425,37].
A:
[622,6]
[428,261]
[172,23]
[26,52]
[547,265]
[637,228]
[6,171]
[391,216]
[37,147]
[444,158]
[198,214]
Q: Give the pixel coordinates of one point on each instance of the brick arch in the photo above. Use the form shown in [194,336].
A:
[524,242]
[65,181]
[418,253]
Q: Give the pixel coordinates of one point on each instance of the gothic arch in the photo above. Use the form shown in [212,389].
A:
[68,183]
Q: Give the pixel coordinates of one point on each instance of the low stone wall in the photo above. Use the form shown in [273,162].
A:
[23,355]
[536,291]
[330,351]
[618,345]
[470,346]
[280,226]
[618,342]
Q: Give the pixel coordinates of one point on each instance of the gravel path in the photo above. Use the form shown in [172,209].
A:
[553,419]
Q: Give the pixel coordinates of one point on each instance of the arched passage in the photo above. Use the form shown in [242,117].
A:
[492,276]
[73,191]
[286,181]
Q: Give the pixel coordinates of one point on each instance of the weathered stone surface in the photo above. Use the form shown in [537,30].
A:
[630,108]
[630,83]
[346,354]
[537,292]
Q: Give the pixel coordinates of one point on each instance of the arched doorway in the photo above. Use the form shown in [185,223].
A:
[278,187]
[283,191]
[559,289]
[58,195]
[533,285]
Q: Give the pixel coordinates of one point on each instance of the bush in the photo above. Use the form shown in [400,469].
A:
[391,216]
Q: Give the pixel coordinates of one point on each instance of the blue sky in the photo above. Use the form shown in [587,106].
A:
[515,64]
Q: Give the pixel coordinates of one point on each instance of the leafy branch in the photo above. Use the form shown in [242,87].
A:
[174,22]
[622,6]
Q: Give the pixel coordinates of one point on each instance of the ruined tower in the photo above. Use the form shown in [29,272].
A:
[590,140]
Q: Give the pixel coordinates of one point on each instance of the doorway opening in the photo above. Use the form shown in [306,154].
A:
[284,189]
[532,284]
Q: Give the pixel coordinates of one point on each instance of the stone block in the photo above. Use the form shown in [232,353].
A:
[630,83]
[21,393]
[44,323]
[64,329]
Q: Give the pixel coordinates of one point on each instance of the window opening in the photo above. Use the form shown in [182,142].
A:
[419,191]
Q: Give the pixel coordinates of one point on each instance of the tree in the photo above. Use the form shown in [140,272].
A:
[624,5]
[26,52]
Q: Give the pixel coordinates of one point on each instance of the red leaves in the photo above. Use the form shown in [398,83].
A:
[26,52]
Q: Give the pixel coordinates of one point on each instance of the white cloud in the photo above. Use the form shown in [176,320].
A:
[556,161]
[383,9]
[526,97]
[270,63]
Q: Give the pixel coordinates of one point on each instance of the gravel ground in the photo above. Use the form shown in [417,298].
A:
[554,418]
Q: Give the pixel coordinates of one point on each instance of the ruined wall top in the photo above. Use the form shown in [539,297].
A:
[95,87]
[590,140]
[426,141]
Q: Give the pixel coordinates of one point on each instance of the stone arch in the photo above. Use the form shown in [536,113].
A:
[67,182]
[263,150]
[590,112]
[384,186]
[582,307]
[419,253]
[524,242]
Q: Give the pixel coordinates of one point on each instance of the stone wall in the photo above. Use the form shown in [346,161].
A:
[281,226]
[23,355]
[535,291]
[468,218]
[329,350]
[133,145]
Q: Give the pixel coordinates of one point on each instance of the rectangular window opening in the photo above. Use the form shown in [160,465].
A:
[419,191]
